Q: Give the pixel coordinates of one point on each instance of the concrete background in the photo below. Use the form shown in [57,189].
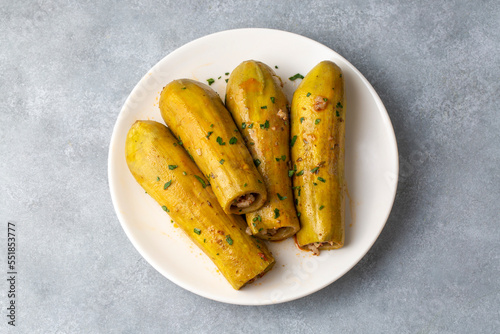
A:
[67,68]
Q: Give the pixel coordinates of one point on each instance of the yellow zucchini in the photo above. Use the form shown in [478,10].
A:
[255,98]
[164,169]
[197,117]
[318,129]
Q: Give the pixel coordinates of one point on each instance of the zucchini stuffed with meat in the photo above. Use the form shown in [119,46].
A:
[318,129]
[201,123]
[256,100]
[164,169]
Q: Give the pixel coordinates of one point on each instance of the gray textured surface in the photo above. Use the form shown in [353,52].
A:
[66,69]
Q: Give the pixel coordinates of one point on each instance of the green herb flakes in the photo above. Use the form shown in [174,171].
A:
[325,99]
[243,125]
[233,140]
[314,170]
[292,142]
[273,99]
[276,213]
[300,173]
[322,207]
[165,208]
[157,178]
[308,94]
[339,105]
[167,184]
[172,167]
[246,184]
[209,134]
[219,140]
[221,161]
[184,173]
[256,162]
[281,197]
[296,76]
[263,107]
[203,183]
[250,125]
[321,179]
[302,119]
[197,231]
[291,172]
[229,240]
[210,81]
[317,121]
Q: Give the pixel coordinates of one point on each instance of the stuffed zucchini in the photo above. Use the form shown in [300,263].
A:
[256,100]
[318,129]
[201,123]
[164,169]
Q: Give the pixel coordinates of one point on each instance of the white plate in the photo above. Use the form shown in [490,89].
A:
[371,169]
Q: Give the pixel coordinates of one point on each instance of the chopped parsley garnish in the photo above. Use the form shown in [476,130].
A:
[315,183]
[221,161]
[226,80]
[276,66]
[314,170]
[339,105]
[277,159]
[276,213]
[281,197]
[203,184]
[296,201]
[184,173]
[219,140]
[265,125]
[256,162]
[172,167]
[298,214]
[167,184]
[259,180]
[263,107]
[291,172]
[260,229]
[317,121]
[197,231]
[157,178]
[229,240]
[273,99]
[321,179]
[209,134]
[246,184]
[302,119]
[227,73]
[250,125]
[219,77]
[183,88]
[283,157]
[296,76]
[325,99]
[300,173]
[211,125]
[322,207]
[308,94]
[292,142]
[243,125]
[233,141]
[165,208]
[210,81]
[259,218]
[205,240]
[337,113]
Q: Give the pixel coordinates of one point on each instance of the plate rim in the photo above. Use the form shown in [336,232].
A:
[180,283]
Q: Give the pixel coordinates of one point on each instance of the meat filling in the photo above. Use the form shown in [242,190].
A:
[244,201]
[314,247]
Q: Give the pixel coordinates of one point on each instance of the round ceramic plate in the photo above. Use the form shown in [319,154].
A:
[371,169]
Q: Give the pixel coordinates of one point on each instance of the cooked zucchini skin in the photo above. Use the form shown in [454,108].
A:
[318,121]
[256,100]
[197,116]
[150,150]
